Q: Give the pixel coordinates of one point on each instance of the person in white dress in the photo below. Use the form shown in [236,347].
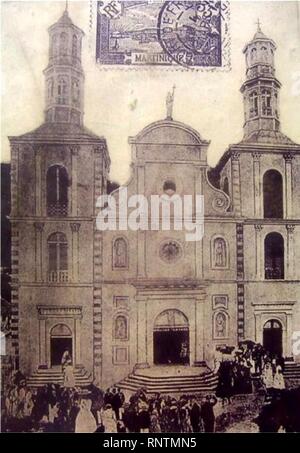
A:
[108,419]
[85,421]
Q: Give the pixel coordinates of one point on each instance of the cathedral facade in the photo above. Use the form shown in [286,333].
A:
[124,300]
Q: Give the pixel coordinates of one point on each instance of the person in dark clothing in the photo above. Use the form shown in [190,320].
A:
[269,420]
[207,413]
[108,397]
[130,419]
[116,402]
[144,419]
[195,416]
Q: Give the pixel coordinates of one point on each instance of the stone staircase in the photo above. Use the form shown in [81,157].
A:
[55,376]
[197,381]
[292,373]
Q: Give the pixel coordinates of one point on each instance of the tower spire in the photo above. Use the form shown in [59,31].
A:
[64,74]
[261,87]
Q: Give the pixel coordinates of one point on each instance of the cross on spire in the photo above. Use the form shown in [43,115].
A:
[258,25]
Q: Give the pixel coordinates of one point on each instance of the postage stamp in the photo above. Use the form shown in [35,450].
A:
[189,34]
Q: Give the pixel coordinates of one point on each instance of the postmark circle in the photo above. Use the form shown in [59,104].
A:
[190,32]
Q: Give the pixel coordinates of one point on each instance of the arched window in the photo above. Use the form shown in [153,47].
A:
[219,253]
[50,89]
[120,254]
[120,328]
[274,256]
[220,325]
[74,46]
[58,258]
[62,91]
[57,191]
[75,92]
[63,44]
[253,104]
[54,46]
[253,54]
[266,104]
[169,187]
[273,196]
[276,105]
[264,54]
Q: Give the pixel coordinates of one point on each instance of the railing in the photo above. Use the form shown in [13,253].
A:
[58,277]
[57,209]
[274,273]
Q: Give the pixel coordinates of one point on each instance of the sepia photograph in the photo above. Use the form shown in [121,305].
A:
[150,218]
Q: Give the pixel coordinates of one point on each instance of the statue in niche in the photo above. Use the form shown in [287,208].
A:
[220,255]
[120,253]
[220,325]
[121,328]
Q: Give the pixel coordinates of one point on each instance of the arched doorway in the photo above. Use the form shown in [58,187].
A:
[171,338]
[60,341]
[272,337]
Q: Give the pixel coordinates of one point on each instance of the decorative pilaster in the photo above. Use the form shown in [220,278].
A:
[288,157]
[141,346]
[14,179]
[258,252]
[236,183]
[39,227]
[256,185]
[240,278]
[77,337]
[290,252]
[199,244]
[38,182]
[97,295]
[75,250]
[42,344]
[141,235]
[15,292]
[74,188]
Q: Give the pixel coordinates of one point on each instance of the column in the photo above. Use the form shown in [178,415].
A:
[42,345]
[38,183]
[259,259]
[141,340]
[236,188]
[199,244]
[256,185]
[199,331]
[288,185]
[77,338]
[39,227]
[74,188]
[141,235]
[75,250]
[290,252]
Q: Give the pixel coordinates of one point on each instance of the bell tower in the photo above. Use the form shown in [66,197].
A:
[64,76]
[261,87]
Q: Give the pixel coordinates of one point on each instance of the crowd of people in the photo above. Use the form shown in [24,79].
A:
[238,368]
[55,408]
[66,408]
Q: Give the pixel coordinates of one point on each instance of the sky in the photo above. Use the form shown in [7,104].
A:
[120,103]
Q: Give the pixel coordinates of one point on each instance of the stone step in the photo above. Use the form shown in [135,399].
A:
[172,384]
[43,377]
[199,380]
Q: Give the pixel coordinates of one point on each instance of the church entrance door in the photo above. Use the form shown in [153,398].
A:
[60,341]
[272,337]
[171,339]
